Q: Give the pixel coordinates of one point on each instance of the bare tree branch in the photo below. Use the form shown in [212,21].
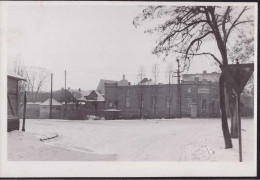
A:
[234,23]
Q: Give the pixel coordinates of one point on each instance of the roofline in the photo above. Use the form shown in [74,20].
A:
[13,77]
[200,74]
[149,85]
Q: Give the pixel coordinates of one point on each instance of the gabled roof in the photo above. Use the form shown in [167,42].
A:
[54,102]
[101,85]
[100,97]
[79,95]
[13,75]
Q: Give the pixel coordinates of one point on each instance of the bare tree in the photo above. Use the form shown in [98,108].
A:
[140,76]
[185,29]
[155,74]
[36,80]
[19,68]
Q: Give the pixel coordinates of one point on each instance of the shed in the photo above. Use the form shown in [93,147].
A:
[45,109]
[13,101]
[112,114]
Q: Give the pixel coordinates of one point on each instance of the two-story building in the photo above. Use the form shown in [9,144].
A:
[162,100]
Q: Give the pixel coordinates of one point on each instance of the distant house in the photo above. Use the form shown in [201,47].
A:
[80,103]
[45,109]
[13,101]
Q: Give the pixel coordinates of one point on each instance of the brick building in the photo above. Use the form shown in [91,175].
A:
[128,99]
[199,98]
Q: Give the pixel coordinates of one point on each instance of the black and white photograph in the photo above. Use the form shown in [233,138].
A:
[128,89]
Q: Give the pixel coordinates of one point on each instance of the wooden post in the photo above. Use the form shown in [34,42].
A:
[51,98]
[24,110]
[239,127]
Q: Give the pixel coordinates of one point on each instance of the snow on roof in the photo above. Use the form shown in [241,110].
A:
[100,97]
[112,110]
[54,102]
[81,95]
[37,103]
[15,75]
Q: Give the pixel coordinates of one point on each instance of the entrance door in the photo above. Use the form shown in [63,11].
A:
[193,110]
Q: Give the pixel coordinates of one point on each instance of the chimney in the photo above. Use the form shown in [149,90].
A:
[79,89]
[68,87]
[123,76]
[204,72]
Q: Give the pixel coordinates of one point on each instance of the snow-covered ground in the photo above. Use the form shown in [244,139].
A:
[128,140]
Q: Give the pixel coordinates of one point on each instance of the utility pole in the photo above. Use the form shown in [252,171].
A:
[179,87]
[24,111]
[170,93]
[65,112]
[51,98]
[141,99]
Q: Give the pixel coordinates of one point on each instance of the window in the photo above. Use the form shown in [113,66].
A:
[189,101]
[204,104]
[128,92]
[110,104]
[127,102]
[169,101]
[189,89]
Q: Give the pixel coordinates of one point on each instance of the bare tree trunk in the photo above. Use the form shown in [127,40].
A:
[232,107]
[226,134]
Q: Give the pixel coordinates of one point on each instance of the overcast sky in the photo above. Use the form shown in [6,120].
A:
[91,42]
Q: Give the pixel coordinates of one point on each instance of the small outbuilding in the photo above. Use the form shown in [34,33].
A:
[45,109]
[112,114]
[13,100]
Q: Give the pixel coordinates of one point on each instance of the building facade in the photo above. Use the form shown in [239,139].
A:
[198,97]
[161,101]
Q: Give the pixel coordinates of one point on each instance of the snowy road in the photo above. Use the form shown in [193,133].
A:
[137,140]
